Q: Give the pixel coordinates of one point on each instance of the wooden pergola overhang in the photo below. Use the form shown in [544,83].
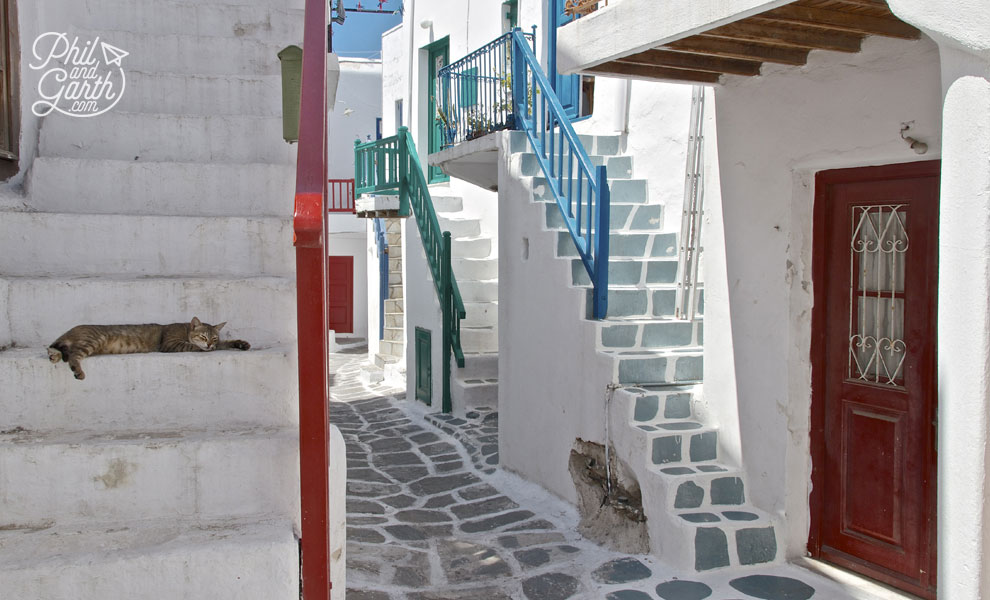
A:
[783,35]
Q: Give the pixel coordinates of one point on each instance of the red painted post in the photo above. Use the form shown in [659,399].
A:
[309,222]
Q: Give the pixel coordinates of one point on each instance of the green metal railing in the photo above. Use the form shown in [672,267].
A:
[391,165]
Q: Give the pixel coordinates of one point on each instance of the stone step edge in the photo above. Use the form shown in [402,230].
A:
[37,546]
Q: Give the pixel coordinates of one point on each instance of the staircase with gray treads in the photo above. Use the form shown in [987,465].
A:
[695,506]
[176,473]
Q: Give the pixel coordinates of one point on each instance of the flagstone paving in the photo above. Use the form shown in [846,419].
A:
[430,517]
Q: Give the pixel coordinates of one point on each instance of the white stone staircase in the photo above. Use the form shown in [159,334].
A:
[695,504]
[159,475]
[475,264]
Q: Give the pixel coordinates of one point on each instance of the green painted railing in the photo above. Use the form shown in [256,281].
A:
[391,165]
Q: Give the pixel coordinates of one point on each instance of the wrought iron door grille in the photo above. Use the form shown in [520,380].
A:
[878,248]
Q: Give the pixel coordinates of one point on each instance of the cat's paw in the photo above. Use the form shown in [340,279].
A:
[240,345]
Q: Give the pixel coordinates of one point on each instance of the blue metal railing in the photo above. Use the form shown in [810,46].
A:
[474,94]
[579,188]
[382,242]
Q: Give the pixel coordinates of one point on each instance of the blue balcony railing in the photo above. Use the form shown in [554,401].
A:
[474,94]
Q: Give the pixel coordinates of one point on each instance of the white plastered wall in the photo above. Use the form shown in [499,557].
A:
[774,133]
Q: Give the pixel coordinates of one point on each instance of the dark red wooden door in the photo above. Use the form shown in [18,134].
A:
[873,510]
[340,293]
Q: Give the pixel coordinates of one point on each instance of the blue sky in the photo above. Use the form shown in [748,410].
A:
[361,33]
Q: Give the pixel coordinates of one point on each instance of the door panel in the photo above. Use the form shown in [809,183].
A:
[439,55]
[876,238]
[567,87]
[340,293]
[424,366]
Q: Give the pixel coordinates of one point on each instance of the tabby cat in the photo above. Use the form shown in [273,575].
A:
[86,340]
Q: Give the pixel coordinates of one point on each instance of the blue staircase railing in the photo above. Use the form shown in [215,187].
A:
[381,241]
[474,94]
[579,188]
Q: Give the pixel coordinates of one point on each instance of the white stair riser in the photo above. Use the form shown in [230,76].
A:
[223,20]
[480,314]
[179,94]
[159,188]
[477,291]
[461,228]
[476,248]
[150,477]
[466,269]
[479,340]
[447,204]
[203,55]
[473,396]
[33,244]
[153,392]
[162,137]
[222,567]
[260,310]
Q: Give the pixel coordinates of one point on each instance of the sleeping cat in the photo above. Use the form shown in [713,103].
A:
[86,340]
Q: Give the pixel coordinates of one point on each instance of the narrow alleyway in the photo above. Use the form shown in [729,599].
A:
[429,517]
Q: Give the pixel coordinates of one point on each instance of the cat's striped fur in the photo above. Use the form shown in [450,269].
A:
[86,340]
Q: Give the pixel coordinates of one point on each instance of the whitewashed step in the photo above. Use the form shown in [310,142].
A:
[480,314]
[75,185]
[617,334]
[461,228]
[101,477]
[479,339]
[474,269]
[220,560]
[473,392]
[164,137]
[33,244]
[195,54]
[150,392]
[480,247]
[447,204]
[260,310]
[478,291]
[630,271]
[660,366]
[622,217]
[185,94]
[260,22]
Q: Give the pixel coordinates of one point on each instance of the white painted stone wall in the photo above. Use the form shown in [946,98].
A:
[774,133]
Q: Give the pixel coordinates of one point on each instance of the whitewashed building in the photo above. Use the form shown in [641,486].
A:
[834,404]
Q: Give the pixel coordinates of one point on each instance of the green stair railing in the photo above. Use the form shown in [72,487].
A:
[391,165]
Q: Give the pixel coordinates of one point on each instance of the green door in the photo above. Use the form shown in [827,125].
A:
[439,54]
[424,366]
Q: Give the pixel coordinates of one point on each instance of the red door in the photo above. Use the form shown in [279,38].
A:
[873,411]
[340,293]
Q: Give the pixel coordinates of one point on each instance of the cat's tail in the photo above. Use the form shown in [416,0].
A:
[57,352]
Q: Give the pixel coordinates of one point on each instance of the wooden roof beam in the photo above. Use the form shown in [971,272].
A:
[630,71]
[793,37]
[840,21]
[746,50]
[693,62]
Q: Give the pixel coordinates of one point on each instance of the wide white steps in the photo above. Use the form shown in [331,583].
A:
[261,22]
[133,475]
[260,310]
[197,54]
[156,391]
[474,269]
[164,137]
[220,560]
[185,94]
[79,185]
[143,245]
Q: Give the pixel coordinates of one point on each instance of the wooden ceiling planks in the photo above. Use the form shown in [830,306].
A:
[784,35]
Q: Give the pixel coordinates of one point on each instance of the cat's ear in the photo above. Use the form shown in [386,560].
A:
[196,322]
[220,326]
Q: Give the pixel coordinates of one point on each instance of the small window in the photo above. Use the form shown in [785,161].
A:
[398,114]
[587,95]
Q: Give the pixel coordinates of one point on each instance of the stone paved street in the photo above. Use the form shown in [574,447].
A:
[430,517]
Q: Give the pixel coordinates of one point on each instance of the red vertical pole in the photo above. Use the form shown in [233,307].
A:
[309,221]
